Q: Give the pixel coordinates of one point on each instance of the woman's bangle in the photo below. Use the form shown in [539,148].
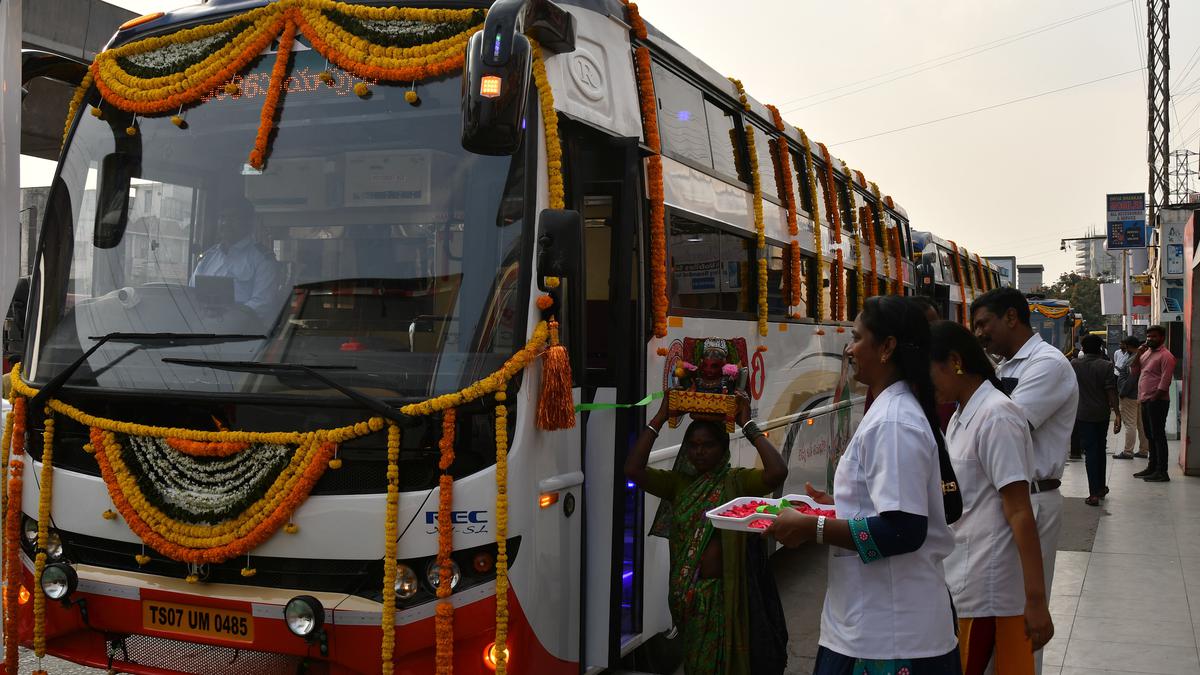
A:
[820,536]
[751,431]
[652,429]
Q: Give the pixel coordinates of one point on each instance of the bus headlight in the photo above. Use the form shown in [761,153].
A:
[433,574]
[29,529]
[54,546]
[304,615]
[406,585]
[59,581]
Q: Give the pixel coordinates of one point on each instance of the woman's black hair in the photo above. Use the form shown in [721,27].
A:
[948,336]
[903,319]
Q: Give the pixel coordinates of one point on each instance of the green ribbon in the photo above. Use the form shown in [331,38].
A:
[614,406]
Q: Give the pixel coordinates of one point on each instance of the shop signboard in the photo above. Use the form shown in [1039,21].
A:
[1126,220]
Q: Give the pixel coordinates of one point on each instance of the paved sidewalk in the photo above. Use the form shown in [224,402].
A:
[1131,604]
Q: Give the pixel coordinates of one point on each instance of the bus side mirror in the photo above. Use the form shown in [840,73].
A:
[494,96]
[117,171]
[560,246]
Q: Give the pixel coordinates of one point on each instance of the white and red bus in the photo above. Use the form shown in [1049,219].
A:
[398,265]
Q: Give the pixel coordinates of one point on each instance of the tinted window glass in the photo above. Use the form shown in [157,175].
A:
[800,170]
[681,118]
[777,279]
[710,269]
[721,129]
[766,163]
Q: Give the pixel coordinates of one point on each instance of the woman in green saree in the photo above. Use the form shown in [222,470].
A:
[708,594]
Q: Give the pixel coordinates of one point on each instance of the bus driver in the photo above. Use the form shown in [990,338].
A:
[255,274]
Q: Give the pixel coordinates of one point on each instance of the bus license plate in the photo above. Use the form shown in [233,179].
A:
[226,624]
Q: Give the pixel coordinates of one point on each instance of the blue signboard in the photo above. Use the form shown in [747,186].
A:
[1126,220]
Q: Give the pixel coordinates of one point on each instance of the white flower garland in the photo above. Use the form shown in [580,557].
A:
[172,55]
[206,489]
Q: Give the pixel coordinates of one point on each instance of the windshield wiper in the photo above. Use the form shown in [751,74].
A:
[60,379]
[367,401]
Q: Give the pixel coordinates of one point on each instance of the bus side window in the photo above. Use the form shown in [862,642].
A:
[721,126]
[844,205]
[777,280]
[800,168]
[711,269]
[682,123]
[766,161]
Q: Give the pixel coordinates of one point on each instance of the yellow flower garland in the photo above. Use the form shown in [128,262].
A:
[816,217]
[45,490]
[962,285]
[856,233]
[387,620]
[887,262]
[554,178]
[759,226]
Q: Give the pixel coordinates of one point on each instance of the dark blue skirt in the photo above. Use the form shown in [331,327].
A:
[831,663]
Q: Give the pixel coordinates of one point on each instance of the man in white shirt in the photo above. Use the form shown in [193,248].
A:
[255,273]
[1040,380]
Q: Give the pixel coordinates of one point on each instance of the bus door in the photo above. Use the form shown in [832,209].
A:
[603,184]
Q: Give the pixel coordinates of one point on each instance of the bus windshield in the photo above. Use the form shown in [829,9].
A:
[371,242]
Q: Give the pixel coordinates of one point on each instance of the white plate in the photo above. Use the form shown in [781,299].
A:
[743,524]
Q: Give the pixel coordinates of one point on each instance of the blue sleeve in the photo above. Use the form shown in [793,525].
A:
[890,533]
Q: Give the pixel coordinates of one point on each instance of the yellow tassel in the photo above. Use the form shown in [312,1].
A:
[109,514]
[361,89]
[131,130]
[335,463]
[97,113]
[411,97]
[249,571]
[232,89]
[192,579]
[556,407]
[326,77]
[178,121]
[291,528]
[141,559]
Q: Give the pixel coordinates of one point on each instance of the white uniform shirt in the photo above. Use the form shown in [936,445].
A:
[255,274]
[990,448]
[897,607]
[1042,383]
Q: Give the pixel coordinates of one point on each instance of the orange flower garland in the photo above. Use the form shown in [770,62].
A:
[831,195]
[856,236]
[444,622]
[839,300]
[501,535]
[648,102]
[12,529]
[962,285]
[206,448]
[274,91]
[818,247]
[886,240]
[898,248]
[867,216]
[789,198]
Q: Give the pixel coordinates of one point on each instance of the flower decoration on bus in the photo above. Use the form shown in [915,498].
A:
[884,244]
[856,225]
[962,285]
[164,74]
[818,247]
[789,198]
[757,201]
[648,103]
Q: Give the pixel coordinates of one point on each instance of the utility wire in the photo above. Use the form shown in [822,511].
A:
[990,107]
[930,64]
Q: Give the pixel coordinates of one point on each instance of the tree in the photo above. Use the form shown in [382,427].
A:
[1084,295]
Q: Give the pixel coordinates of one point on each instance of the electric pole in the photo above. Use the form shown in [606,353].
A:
[1181,175]
[1158,98]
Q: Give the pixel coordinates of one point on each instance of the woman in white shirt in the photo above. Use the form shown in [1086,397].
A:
[887,609]
[995,571]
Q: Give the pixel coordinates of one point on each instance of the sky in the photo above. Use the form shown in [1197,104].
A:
[1010,180]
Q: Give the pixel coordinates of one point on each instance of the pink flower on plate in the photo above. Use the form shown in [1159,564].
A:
[729,370]
[691,367]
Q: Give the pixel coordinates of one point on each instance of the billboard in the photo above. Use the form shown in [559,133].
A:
[1007,267]
[1126,220]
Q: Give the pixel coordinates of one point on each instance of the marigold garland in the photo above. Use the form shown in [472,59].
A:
[789,199]
[831,195]
[839,312]
[884,243]
[648,103]
[818,248]
[759,225]
[444,622]
[387,620]
[856,236]
[898,248]
[985,278]
[554,177]
[77,100]
[206,448]
[274,92]
[501,537]
[962,285]
[867,216]
[45,492]
[12,526]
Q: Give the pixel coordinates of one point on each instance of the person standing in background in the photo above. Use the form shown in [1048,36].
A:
[1131,410]
[1154,366]
[1041,382]
[1097,396]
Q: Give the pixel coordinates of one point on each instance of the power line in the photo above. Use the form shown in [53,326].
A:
[937,62]
[990,107]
